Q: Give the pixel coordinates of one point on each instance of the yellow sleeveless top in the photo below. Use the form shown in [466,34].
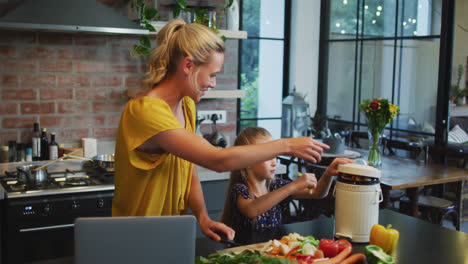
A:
[145,184]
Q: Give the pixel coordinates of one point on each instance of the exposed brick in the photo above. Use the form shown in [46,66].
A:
[55,121]
[8,80]
[15,66]
[8,109]
[226,80]
[8,36]
[114,120]
[92,67]
[38,53]
[26,136]
[38,108]
[92,40]
[226,128]
[39,80]
[18,94]
[73,81]
[18,122]
[72,135]
[73,107]
[65,53]
[133,81]
[217,104]
[7,51]
[125,68]
[55,66]
[118,93]
[123,41]
[89,121]
[144,68]
[8,135]
[56,94]
[108,107]
[90,93]
[231,116]
[55,39]
[99,81]
[105,132]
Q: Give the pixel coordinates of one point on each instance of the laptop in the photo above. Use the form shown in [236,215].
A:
[155,239]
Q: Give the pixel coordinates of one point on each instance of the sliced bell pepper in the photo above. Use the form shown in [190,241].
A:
[376,255]
[384,237]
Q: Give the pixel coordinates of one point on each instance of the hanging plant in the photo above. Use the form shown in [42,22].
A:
[145,15]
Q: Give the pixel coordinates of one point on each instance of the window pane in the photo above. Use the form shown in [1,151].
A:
[341,80]
[272,125]
[343,19]
[416,84]
[379,18]
[262,78]
[263,18]
[419,18]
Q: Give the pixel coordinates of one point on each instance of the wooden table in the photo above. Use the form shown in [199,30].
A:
[420,241]
[402,173]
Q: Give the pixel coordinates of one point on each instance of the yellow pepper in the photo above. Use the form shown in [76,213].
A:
[384,237]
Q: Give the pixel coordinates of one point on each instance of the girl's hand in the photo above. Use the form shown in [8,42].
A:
[332,169]
[307,180]
[307,148]
[210,228]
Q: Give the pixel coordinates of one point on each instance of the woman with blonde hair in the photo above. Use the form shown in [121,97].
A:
[156,144]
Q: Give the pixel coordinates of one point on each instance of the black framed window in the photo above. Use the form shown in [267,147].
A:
[391,49]
[263,63]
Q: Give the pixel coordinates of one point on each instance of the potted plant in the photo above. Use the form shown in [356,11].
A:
[319,126]
[457,94]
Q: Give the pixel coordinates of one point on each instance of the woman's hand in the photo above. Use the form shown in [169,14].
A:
[210,228]
[332,169]
[306,148]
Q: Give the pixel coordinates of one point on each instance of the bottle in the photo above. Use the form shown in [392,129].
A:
[53,147]
[36,143]
[28,153]
[60,150]
[12,151]
[21,152]
[44,145]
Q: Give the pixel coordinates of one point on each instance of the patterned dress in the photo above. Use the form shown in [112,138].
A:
[270,219]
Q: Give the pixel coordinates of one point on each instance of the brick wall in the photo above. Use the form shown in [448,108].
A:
[74,84]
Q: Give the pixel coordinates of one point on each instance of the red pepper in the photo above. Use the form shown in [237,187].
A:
[329,247]
[292,250]
[343,243]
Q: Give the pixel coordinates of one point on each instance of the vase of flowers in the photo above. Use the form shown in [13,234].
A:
[379,112]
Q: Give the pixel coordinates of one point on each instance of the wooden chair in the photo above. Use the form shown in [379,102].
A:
[432,208]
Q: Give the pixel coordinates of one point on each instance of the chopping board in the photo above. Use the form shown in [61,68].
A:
[237,250]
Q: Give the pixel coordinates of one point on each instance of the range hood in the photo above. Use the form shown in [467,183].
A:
[71,16]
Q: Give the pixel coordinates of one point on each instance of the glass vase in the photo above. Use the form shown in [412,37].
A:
[375,149]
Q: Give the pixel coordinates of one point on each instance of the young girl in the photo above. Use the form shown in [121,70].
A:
[256,200]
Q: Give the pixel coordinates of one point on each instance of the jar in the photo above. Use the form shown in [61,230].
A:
[4,156]
[11,151]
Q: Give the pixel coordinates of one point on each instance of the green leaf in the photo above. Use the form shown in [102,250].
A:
[145,41]
[150,27]
[182,3]
[223,38]
[176,11]
[150,13]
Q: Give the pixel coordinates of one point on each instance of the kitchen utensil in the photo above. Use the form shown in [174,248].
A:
[31,173]
[227,242]
[103,161]
[216,138]
[53,161]
[357,196]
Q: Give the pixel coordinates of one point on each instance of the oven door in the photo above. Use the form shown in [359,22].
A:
[39,228]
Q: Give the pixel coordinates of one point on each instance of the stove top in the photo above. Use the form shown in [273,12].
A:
[58,182]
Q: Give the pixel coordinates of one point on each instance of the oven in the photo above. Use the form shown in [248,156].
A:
[38,224]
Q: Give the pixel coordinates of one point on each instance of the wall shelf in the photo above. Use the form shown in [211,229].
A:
[211,94]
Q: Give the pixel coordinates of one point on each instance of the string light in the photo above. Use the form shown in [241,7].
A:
[345,2]
[415,32]
[373,21]
[414,21]
[338,25]
[379,8]
[404,23]
[377,13]
[366,7]
[343,31]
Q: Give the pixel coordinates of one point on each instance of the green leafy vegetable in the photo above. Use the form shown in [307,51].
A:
[246,256]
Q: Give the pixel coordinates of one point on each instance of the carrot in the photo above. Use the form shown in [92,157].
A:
[355,258]
[319,254]
[274,251]
[338,258]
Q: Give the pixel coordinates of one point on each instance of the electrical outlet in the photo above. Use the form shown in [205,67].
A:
[207,114]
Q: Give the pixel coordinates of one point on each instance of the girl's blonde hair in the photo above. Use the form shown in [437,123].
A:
[178,40]
[247,136]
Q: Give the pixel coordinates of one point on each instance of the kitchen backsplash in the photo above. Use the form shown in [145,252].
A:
[74,84]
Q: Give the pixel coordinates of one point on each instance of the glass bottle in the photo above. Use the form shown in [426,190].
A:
[36,143]
[44,145]
[12,151]
[53,147]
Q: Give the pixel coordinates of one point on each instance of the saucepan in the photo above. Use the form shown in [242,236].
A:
[31,173]
[103,161]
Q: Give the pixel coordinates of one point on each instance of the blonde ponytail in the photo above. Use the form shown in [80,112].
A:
[175,41]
